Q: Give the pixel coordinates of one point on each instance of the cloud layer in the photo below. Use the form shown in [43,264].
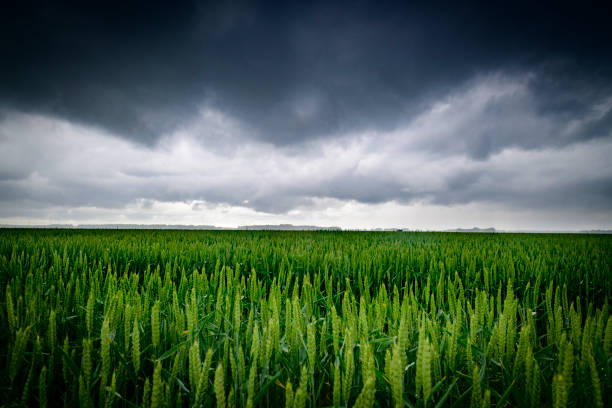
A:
[436,160]
[222,114]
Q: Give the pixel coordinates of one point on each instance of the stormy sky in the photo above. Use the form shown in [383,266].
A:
[357,114]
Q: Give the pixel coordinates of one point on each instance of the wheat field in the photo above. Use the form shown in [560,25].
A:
[304,319]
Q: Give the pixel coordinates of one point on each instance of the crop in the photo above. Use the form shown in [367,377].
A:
[304,319]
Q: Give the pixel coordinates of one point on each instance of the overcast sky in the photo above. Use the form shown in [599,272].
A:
[357,114]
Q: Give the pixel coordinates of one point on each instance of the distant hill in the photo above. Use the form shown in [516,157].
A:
[288,227]
[119,226]
[144,226]
[475,229]
[278,227]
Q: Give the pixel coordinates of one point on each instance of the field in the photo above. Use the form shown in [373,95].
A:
[304,319]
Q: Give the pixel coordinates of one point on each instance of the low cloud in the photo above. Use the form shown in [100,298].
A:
[482,145]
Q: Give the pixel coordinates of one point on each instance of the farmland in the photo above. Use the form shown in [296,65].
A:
[304,319]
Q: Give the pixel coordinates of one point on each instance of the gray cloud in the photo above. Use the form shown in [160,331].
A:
[262,108]
[82,167]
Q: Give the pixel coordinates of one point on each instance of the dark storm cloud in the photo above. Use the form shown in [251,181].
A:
[291,73]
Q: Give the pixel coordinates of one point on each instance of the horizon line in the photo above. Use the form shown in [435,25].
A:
[289,227]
